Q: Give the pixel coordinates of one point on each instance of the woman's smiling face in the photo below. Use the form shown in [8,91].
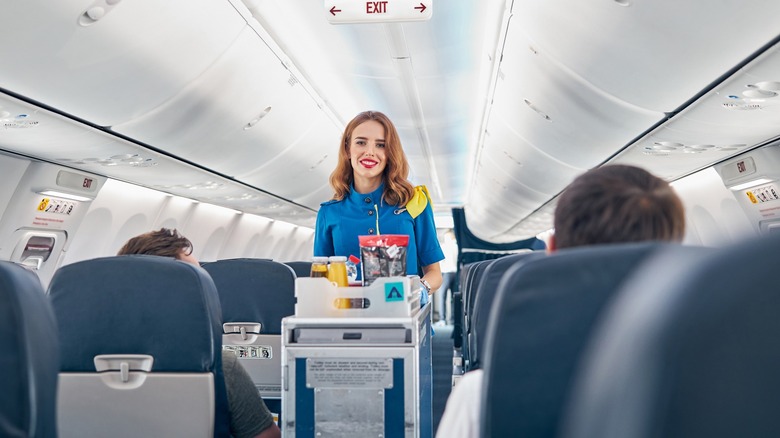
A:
[367,150]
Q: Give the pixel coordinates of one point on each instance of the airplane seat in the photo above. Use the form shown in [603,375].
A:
[690,349]
[301,268]
[457,306]
[544,312]
[140,341]
[29,362]
[483,301]
[473,273]
[255,295]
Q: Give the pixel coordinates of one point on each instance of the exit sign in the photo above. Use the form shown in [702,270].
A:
[383,11]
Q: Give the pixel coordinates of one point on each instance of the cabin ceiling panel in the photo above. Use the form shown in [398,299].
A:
[40,134]
[300,34]
[422,75]
[558,112]
[239,115]
[538,222]
[498,202]
[489,219]
[490,227]
[640,52]
[109,70]
[742,112]
[317,196]
[450,168]
[32,131]
[523,162]
[507,189]
[670,153]
[304,166]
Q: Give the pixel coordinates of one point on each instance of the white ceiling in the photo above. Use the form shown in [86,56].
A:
[499,104]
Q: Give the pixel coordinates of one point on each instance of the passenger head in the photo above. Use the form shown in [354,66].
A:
[398,190]
[617,203]
[164,242]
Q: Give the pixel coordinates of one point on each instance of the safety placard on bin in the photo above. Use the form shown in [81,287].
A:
[349,373]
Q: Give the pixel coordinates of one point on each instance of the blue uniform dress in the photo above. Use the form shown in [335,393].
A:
[339,223]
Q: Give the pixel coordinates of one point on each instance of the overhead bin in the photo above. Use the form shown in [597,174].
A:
[540,221]
[133,58]
[247,101]
[742,112]
[544,114]
[501,204]
[300,169]
[32,131]
[558,112]
[640,52]
[523,162]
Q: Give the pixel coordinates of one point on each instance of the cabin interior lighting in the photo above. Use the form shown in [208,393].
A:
[755,182]
[63,195]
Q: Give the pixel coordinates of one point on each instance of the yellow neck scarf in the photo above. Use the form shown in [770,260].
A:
[419,201]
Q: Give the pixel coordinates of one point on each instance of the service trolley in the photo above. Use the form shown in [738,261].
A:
[357,361]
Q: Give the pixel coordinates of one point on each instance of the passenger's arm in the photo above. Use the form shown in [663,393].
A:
[270,432]
[461,415]
[249,416]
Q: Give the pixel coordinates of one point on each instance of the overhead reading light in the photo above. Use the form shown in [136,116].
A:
[57,194]
[755,182]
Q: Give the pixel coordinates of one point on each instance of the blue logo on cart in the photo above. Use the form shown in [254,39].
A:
[394,291]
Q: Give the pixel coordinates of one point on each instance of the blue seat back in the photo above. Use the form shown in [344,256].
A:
[301,268]
[483,301]
[542,317]
[255,290]
[29,356]
[691,349]
[470,276]
[140,304]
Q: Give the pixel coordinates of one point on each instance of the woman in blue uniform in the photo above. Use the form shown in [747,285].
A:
[373,196]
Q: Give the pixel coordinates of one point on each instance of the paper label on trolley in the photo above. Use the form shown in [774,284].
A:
[349,373]
[251,351]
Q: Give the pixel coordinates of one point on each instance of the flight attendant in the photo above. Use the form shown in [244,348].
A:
[372,196]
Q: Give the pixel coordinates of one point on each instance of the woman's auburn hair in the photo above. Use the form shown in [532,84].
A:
[398,189]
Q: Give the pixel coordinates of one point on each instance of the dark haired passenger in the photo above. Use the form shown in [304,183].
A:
[249,416]
[609,204]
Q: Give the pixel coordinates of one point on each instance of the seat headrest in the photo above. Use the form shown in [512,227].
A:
[254,290]
[690,348]
[541,319]
[137,304]
[486,293]
[301,268]
[29,362]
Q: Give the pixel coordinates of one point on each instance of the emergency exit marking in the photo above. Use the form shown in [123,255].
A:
[763,194]
[56,206]
[382,11]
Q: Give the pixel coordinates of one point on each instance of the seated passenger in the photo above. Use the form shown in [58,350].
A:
[609,204]
[249,416]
